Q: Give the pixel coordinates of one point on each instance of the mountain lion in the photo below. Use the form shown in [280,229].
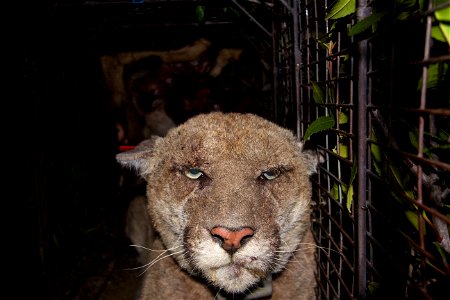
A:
[228,198]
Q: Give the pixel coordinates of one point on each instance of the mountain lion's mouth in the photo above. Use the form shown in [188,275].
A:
[238,270]
[236,277]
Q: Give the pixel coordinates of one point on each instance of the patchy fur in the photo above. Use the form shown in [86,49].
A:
[229,198]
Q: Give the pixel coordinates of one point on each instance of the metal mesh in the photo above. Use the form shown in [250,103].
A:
[378,110]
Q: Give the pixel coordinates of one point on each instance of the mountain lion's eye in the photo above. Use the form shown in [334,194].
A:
[193,173]
[270,174]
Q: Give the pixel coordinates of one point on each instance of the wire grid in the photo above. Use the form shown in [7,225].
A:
[407,173]
[380,214]
[286,64]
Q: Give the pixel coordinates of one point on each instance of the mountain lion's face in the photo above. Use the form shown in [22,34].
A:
[229,195]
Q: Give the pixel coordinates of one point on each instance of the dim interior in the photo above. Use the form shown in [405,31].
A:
[102,76]
[93,76]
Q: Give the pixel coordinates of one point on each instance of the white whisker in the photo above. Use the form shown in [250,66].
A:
[143,266]
[149,249]
[312,245]
[158,258]
[215,297]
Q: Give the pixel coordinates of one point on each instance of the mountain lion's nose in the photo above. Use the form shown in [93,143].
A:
[232,239]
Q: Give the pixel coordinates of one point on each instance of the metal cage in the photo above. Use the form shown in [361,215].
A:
[379,112]
[366,82]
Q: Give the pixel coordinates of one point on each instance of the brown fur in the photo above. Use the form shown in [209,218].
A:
[233,151]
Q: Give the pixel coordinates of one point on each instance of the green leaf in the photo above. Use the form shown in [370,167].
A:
[343,150]
[436,34]
[373,288]
[374,148]
[441,252]
[200,13]
[443,135]
[320,124]
[343,118]
[413,139]
[335,191]
[410,194]
[442,147]
[318,94]
[377,167]
[365,23]
[436,75]
[349,199]
[232,11]
[350,185]
[443,16]
[409,8]
[413,218]
[341,9]
[399,176]
[398,198]
[421,5]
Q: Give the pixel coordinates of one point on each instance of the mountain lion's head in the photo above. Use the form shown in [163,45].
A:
[229,196]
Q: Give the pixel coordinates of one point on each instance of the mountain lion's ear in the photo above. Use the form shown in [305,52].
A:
[140,158]
[313,158]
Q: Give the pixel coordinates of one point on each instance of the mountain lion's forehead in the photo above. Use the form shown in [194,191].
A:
[231,127]
[217,136]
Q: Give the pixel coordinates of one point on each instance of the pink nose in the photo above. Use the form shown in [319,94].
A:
[230,239]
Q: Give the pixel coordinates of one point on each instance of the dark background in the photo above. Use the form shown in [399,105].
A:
[64,206]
